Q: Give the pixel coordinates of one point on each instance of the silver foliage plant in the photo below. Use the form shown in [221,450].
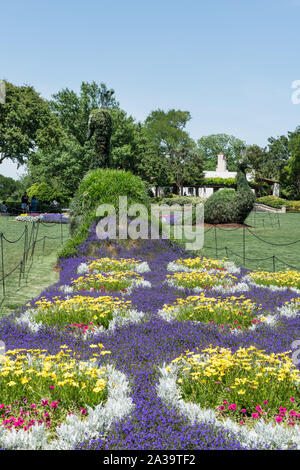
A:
[73,431]
[263,435]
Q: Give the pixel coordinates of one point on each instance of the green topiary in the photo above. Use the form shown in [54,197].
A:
[221,207]
[228,206]
[100,125]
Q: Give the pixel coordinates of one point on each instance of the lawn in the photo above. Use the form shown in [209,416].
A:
[39,272]
[282,230]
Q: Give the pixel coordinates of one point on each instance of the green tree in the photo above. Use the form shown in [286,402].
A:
[210,146]
[8,186]
[74,109]
[26,123]
[292,169]
[171,158]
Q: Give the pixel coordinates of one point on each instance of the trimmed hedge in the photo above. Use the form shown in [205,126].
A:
[278,203]
[180,200]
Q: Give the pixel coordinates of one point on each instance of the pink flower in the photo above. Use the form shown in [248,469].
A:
[222,408]
[292,399]
[255,415]
[265,402]
[33,405]
[243,410]
[232,406]
[51,387]
[54,404]
[44,401]
[278,419]
[258,408]
[83,411]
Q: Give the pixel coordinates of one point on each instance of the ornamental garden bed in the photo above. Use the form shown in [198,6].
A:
[185,380]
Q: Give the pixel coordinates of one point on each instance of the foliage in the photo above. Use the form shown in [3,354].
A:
[181,200]
[100,125]
[26,122]
[174,152]
[210,146]
[221,207]
[101,186]
[8,186]
[43,192]
[221,182]
[278,203]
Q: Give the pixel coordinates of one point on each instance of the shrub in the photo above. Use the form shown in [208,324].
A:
[228,206]
[273,201]
[220,207]
[181,200]
[278,203]
[101,186]
[45,193]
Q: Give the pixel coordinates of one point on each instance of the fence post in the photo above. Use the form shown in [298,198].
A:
[61,230]
[21,271]
[2,265]
[44,244]
[216,242]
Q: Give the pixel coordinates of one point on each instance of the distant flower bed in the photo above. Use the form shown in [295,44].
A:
[110,281]
[56,218]
[28,218]
[80,314]
[287,278]
[206,280]
[248,390]
[109,264]
[236,313]
[49,218]
[54,401]
[202,264]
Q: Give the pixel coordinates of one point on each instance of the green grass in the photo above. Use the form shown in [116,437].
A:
[39,272]
[280,229]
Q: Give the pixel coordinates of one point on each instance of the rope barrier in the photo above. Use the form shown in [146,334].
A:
[30,242]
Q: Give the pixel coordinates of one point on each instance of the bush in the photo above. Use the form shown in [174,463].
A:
[278,203]
[181,200]
[101,186]
[228,206]
[45,193]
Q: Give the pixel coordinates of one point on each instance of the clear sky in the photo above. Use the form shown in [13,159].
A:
[231,63]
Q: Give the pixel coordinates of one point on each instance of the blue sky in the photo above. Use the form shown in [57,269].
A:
[230,63]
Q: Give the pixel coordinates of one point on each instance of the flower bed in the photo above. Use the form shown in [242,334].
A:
[203,264]
[140,341]
[81,314]
[248,389]
[111,281]
[236,313]
[109,264]
[290,279]
[28,218]
[51,401]
[206,280]
[47,218]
